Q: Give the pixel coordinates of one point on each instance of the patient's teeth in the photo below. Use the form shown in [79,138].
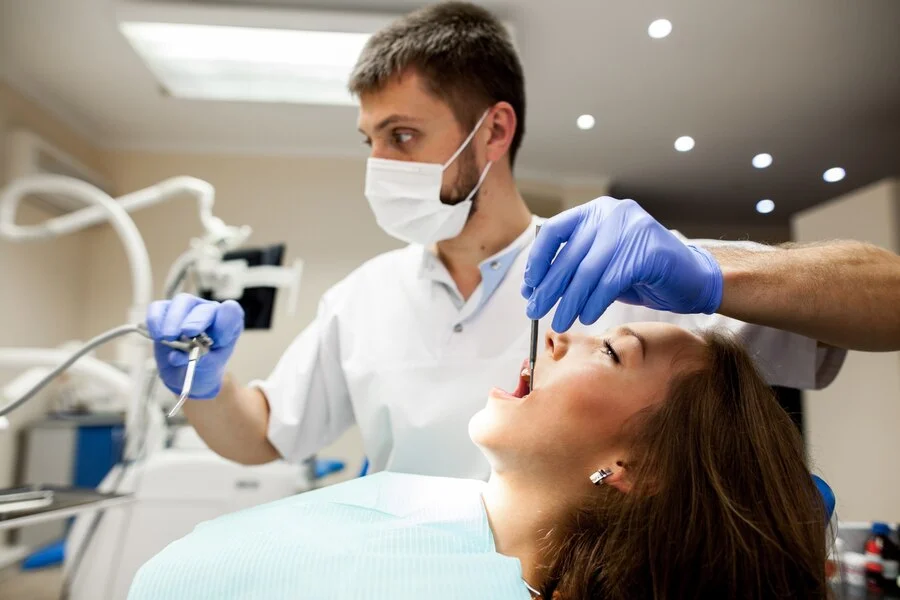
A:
[525,373]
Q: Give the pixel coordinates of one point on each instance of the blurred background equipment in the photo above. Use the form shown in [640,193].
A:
[127,452]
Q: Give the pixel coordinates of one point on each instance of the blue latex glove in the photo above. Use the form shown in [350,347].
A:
[613,251]
[190,316]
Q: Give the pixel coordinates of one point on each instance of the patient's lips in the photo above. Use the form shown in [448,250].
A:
[522,389]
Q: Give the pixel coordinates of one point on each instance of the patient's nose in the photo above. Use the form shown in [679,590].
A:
[557,344]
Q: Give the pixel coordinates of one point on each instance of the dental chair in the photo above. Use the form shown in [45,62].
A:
[827,496]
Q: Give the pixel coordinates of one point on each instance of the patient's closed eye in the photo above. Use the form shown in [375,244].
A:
[609,350]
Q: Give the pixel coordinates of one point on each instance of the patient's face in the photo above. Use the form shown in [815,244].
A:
[585,389]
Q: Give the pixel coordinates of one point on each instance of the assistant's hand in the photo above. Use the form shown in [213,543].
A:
[613,251]
[190,316]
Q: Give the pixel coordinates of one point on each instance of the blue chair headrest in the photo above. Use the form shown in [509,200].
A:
[827,496]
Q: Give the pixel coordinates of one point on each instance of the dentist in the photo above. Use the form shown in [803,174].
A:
[408,345]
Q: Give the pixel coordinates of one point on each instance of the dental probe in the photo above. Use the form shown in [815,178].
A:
[532,354]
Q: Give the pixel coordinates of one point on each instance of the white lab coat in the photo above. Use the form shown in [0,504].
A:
[395,349]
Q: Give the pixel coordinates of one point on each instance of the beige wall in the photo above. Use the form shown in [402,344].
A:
[547,198]
[44,289]
[853,426]
[18,111]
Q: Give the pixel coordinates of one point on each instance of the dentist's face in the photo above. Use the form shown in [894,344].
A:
[404,121]
[585,390]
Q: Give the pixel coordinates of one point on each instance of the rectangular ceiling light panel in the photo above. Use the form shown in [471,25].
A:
[253,55]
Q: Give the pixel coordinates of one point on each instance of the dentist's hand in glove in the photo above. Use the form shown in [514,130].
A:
[190,316]
[613,251]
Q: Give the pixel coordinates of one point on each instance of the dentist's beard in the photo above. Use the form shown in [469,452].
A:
[466,180]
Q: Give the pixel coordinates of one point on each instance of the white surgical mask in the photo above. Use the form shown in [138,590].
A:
[406,197]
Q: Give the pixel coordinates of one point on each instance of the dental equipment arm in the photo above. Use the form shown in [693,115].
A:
[102,205]
[136,354]
[94,215]
[226,279]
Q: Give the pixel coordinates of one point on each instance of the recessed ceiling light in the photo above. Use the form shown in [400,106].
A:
[834,174]
[765,206]
[660,28]
[761,161]
[684,144]
[585,122]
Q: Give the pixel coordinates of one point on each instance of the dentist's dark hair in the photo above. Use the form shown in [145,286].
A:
[462,52]
[722,504]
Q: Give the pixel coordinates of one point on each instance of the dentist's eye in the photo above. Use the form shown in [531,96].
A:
[402,137]
[610,351]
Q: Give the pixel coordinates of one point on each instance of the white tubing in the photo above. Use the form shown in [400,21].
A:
[202,191]
[24,358]
[136,251]
[178,269]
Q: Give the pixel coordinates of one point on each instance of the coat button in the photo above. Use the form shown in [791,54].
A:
[495,264]
[458,328]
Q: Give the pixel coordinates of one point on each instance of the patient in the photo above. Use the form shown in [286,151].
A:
[653,463]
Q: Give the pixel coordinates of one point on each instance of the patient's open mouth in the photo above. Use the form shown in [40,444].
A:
[523,388]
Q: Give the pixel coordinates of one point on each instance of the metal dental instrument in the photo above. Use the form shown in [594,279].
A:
[532,354]
[195,347]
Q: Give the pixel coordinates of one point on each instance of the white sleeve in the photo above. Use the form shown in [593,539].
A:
[786,359]
[309,404]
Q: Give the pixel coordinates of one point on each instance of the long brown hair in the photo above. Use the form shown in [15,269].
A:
[723,505]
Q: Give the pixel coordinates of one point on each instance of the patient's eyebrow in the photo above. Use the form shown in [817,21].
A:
[640,339]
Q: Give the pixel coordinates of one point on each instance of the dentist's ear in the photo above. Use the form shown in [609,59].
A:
[501,124]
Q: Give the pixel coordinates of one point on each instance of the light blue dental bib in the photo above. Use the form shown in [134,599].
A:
[388,536]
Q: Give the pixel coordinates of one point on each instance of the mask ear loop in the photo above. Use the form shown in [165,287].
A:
[480,181]
[468,139]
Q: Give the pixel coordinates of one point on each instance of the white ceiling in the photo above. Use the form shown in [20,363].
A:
[814,82]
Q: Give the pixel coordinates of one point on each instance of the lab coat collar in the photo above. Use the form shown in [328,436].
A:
[431,267]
